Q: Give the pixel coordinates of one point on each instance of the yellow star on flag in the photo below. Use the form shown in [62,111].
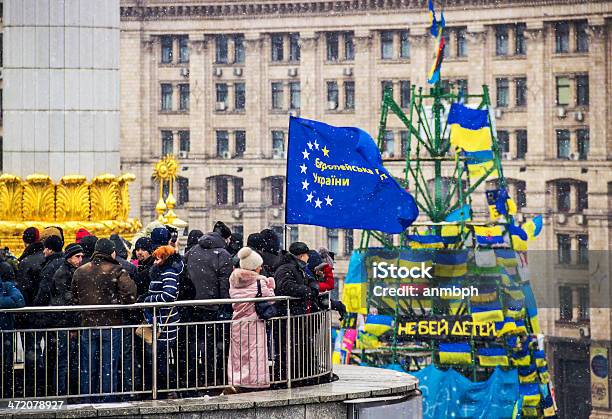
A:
[325,151]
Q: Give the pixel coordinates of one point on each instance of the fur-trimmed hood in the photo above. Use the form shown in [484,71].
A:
[242,278]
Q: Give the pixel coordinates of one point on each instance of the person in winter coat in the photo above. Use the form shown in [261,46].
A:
[209,267]
[10,297]
[248,350]
[101,281]
[81,234]
[54,258]
[291,279]
[61,295]
[144,254]
[192,239]
[165,274]
[320,271]
[122,249]
[269,251]
[28,270]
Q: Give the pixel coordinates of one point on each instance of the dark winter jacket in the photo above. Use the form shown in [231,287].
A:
[43,293]
[10,297]
[28,273]
[142,278]
[291,281]
[102,281]
[31,249]
[61,295]
[270,261]
[209,266]
[164,289]
[129,267]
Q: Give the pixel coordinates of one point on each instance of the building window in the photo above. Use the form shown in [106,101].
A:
[221,49]
[582,37]
[404,93]
[166,49]
[278,143]
[294,95]
[239,49]
[332,46]
[349,95]
[349,241]
[294,47]
[183,97]
[166,97]
[582,196]
[386,85]
[503,140]
[276,190]
[221,190]
[582,137]
[563,144]
[294,234]
[277,95]
[388,145]
[222,144]
[564,247]
[501,40]
[582,90]
[461,43]
[561,37]
[184,141]
[277,47]
[520,47]
[521,91]
[167,143]
[565,303]
[221,90]
[386,45]
[521,144]
[239,96]
[404,138]
[563,196]
[404,44]
[502,92]
[349,46]
[521,194]
[462,87]
[240,137]
[583,249]
[332,240]
[332,95]
[583,304]
[182,186]
[183,42]
[238,192]
[280,233]
[563,90]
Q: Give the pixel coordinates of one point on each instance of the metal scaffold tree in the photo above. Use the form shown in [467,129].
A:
[452,159]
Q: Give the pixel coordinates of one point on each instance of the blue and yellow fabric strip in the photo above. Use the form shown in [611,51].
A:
[377,324]
[487,312]
[492,357]
[455,353]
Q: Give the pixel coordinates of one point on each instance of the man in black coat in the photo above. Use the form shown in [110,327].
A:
[209,266]
[28,271]
[54,258]
[291,279]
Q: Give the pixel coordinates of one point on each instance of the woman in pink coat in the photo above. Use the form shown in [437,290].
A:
[248,354]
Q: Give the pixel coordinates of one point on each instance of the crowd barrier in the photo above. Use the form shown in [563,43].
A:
[157,359]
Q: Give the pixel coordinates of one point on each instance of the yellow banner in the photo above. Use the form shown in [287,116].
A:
[446,328]
[600,391]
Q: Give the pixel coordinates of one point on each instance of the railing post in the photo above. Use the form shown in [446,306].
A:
[154,352]
[288,344]
[330,346]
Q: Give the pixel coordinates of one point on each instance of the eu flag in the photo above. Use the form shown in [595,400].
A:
[336,179]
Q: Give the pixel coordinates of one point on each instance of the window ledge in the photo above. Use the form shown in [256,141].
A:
[572,323]
[340,111]
[283,63]
[393,61]
[215,64]
[174,112]
[339,62]
[510,57]
[569,54]
[456,59]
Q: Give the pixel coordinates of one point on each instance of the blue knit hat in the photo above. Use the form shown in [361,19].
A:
[160,237]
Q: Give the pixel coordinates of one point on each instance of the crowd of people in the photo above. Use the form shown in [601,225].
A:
[105,271]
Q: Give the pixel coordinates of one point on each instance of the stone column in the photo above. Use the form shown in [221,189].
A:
[420,56]
[598,122]
[310,82]
[199,73]
[363,71]
[255,67]
[537,107]
[61,88]
[477,38]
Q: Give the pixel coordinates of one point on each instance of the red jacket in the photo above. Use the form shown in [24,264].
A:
[327,284]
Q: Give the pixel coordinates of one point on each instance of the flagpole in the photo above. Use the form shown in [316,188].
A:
[285,235]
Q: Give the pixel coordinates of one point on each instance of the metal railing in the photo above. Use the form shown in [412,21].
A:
[199,353]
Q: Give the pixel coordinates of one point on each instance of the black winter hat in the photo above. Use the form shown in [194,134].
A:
[72,249]
[144,243]
[31,235]
[54,243]
[193,237]
[88,243]
[160,236]
[222,229]
[105,246]
[298,248]
[6,272]
[314,260]
[255,241]
[271,241]
[120,246]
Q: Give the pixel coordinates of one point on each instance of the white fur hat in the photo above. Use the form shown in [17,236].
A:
[249,259]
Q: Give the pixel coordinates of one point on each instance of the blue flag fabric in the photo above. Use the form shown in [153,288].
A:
[336,179]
